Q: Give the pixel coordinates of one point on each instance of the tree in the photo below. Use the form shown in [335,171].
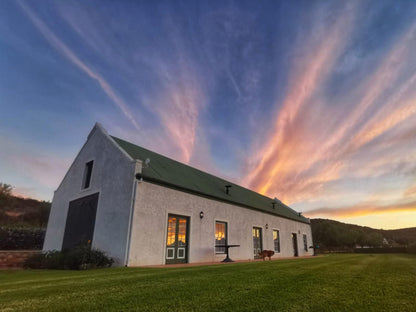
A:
[5,193]
[374,239]
[5,189]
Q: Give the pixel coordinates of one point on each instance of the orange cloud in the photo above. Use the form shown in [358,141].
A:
[410,191]
[291,149]
[360,210]
[179,116]
[377,83]
[400,112]
[303,153]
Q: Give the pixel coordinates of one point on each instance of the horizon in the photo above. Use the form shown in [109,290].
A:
[310,102]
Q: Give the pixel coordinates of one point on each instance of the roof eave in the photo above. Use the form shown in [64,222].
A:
[202,194]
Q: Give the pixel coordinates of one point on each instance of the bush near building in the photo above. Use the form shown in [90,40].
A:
[21,238]
[79,258]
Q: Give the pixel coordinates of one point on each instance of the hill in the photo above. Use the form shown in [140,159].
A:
[334,235]
[22,212]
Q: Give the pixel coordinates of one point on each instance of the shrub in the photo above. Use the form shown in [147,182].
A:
[21,238]
[412,248]
[79,258]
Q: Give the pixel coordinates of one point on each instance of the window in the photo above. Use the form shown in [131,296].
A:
[276,240]
[305,242]
[87,174]
[220,236]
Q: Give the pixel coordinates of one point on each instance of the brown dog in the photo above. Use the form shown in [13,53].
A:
[266,253]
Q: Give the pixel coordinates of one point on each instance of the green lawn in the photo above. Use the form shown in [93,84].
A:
[326,283]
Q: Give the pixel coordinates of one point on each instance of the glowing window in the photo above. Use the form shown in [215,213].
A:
[220,236]
[276,240]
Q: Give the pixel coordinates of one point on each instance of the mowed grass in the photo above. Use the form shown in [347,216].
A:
[325,283]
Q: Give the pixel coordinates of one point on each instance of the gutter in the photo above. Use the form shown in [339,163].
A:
[131,214]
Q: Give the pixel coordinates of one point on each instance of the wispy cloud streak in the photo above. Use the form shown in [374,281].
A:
[315,143]
[174,99]
[280,154]
[360,210]
[71,56]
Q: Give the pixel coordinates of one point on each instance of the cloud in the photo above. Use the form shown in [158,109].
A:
[410,192]
[394,108]
[59,45]
[288,151]
[25,192]
[360,210]
[316,142]
[179,116]
[45,169]
[164,82]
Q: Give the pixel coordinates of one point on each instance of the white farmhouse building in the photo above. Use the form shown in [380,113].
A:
[142,208]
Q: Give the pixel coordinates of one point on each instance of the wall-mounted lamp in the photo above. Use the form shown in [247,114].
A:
[266,226]
[201,214]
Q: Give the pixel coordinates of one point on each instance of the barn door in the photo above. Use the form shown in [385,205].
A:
[177,239]
[80,221]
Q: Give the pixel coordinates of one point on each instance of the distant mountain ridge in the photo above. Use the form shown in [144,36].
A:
[335,235]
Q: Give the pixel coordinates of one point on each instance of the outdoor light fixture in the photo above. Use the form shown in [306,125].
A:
[201,214]
[267,226]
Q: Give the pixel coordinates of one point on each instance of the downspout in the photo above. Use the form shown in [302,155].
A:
[138,169]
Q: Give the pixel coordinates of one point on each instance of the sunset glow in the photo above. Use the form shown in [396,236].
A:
[310,102]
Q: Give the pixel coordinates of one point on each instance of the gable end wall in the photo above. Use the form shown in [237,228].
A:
[112,176]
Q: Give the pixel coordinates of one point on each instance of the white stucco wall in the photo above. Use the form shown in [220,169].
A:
[153,203]
[112,176]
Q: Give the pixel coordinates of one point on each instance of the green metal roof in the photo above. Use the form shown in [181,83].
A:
[171,173]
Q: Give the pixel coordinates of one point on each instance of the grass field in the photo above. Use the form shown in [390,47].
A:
[326,283]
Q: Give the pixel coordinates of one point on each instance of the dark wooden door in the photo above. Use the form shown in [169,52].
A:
[295,244]
[80,221]
[257,242]
[177,239]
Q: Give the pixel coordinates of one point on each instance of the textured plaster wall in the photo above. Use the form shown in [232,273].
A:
[153,203]
[112,176]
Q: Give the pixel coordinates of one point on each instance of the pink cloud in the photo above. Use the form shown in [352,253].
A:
[307,150]
[43,167]
[360,210]
[286,152]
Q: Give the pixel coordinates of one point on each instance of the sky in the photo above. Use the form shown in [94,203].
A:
[312,102]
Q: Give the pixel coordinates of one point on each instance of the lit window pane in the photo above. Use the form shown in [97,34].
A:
[171,231]
[276,241]
[220,236]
